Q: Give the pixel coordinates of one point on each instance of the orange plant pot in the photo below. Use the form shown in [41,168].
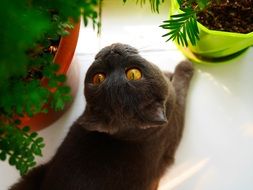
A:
[63,57]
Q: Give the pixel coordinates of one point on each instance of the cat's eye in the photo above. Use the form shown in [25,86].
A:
[133,74]
[98,78]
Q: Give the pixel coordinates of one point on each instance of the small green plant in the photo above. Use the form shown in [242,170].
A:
[20,146]
[28,29]
[182,27]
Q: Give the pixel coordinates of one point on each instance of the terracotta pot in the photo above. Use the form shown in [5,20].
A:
[63,57]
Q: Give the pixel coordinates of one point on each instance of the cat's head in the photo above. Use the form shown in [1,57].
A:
[125,92]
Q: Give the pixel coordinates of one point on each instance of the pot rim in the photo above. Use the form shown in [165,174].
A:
[224,33]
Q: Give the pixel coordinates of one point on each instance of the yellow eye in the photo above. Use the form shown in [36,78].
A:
[98,78]
[133,74]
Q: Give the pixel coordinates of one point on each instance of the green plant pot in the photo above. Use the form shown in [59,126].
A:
[213,44]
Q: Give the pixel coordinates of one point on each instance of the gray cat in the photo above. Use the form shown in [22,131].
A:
[129,131]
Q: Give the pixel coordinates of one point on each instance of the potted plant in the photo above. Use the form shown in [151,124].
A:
[33,63]
[63,51]
[209,30]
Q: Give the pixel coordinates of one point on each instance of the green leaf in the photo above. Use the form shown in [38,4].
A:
[39,140]
[180,2]
[12,160]
[52,83]
[184,32]
[36,150]
[17,122]
[61,78]
[42,145]
[3,156]
[64,89]
[26,129]
[23,169]
[32,164]
[190,35]
[30,158]
[183,28]
[33,134]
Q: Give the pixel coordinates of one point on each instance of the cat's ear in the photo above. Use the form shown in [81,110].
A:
[155,116]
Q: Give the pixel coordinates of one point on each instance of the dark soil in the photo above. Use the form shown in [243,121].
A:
[228,15]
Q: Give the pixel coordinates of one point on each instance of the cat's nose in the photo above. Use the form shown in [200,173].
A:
[116,80]
[117,91]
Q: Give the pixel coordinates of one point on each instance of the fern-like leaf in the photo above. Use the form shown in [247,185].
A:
[19,146]
[183,28]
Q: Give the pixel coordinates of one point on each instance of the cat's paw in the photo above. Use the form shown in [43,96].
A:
[185,68]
